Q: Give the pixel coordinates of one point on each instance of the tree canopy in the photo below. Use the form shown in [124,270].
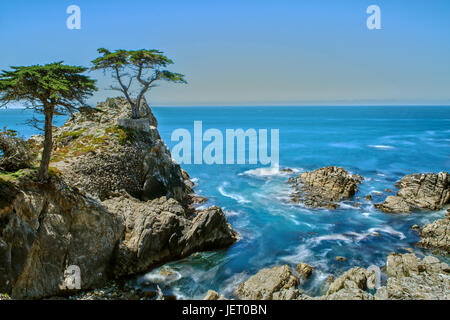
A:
[49,88]
[145,66]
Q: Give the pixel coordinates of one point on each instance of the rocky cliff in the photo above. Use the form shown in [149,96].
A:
[116,205]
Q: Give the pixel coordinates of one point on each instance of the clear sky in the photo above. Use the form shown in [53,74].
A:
[251,52]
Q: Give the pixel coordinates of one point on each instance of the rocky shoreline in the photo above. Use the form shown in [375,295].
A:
[116,205]
[407,276]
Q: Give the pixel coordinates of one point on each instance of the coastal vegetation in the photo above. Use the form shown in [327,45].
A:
[144,66]
[49,89]
[16,152]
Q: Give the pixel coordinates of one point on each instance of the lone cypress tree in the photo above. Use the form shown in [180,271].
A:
[146,66]
[48,89]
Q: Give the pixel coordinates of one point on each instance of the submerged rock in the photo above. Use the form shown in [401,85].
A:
[324,187]
[419,191]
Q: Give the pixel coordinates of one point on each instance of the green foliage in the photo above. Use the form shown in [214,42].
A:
[8,133]
[51,88]
[51,84]
[124,135]
[145,66]
[21,174]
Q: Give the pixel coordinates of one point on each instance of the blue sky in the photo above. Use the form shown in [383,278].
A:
[254,52]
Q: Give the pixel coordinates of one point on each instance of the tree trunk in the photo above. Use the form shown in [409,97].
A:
[139,98]
[134,111]
[48,144]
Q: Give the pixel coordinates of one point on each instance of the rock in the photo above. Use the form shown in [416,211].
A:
[287,170]
[213,295]
[413,279]
[196,199]
[324,187]
[47,228]
[349,294]
[353,279]
[375,234]
[394,204]
[415,227]
[276,283]
[388,190]
[368,197]
[102,158]
[338,258]
[419,192]
[15,152]
[408,278]
[160,230]
[436,235]
[304,270]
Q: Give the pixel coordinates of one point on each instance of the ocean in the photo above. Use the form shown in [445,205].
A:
[382,144]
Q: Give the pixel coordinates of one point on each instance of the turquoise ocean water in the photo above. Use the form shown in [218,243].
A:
[380,143]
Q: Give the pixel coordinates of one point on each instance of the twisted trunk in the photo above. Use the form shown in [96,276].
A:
[124,89]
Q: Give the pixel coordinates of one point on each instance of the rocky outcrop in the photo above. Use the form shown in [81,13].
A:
[116,204]
[213,295]
[304,270]
[46,228]
[419,191]
[324,187]
[436,235]
[276,283]
[411,278]
[352,285]
[160,230]
[408,278]
[101,158]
